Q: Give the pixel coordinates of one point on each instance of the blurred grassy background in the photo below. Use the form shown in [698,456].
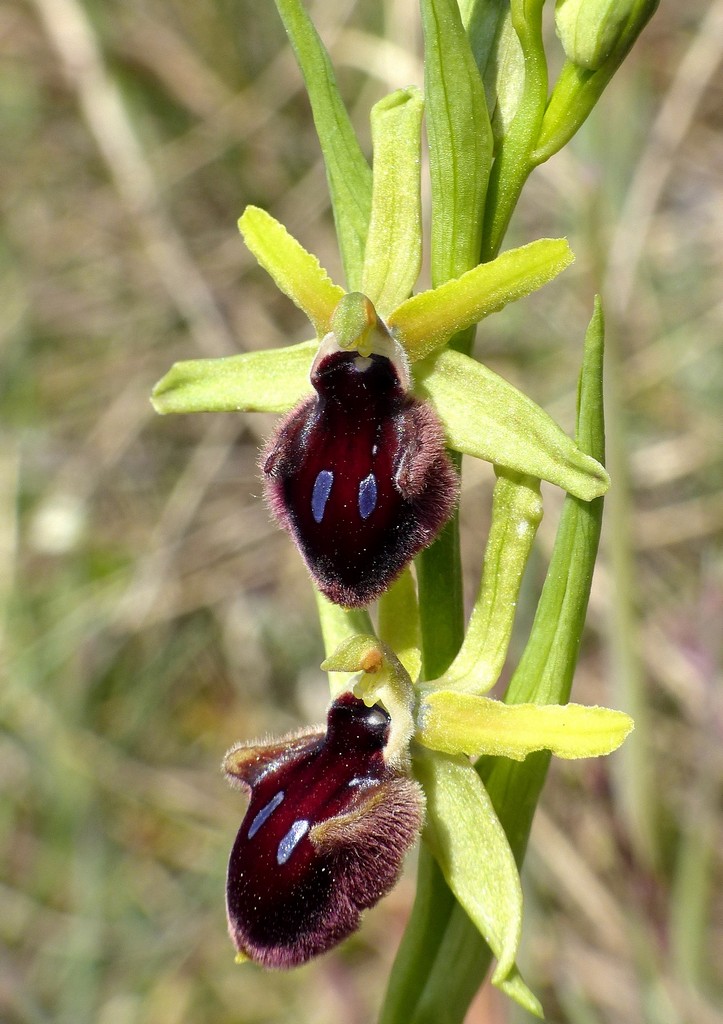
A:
[150,613]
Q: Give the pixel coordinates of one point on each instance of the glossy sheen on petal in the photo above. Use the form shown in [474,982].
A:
[359,476]
[323,838]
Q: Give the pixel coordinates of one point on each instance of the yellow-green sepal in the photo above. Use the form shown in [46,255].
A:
[269,380]
[471,848]
[393,254]
[485,416]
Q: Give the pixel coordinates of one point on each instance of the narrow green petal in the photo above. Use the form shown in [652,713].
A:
[272,380]
[296,272]
[471,848]
[399,625]
[425,322]
[337,625]
[461,723]
[460,141]
[516,514]
[394,246]
[347,171]
[486,417]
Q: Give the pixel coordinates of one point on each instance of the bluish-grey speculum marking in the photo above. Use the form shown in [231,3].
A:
[265,813]
[367,496]
[320,494]
[291,840]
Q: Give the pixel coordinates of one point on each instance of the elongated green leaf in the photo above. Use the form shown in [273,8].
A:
[460,723]
[471,848]
[460,141]
[273,380]
[516,514]
[425,322]
[394,245]
[296,272]
[347,171]
[486,417]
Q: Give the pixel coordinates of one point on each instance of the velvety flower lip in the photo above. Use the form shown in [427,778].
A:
[324,836]
[358,475]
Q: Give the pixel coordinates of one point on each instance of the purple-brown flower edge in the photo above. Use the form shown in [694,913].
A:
[323,838]
[359,476]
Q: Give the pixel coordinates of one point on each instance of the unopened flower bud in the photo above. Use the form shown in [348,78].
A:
[593,31]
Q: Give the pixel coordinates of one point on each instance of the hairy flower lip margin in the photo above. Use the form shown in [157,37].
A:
[324,836]
[368,752]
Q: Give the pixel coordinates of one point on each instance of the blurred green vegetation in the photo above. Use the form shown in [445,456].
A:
[150,613]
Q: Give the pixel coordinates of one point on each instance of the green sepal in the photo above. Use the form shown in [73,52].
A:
[461,723]
[516,514]
[296,272]
[347,171]
[485,416]
[471,848]
[270,380]
[425,322]
[337,626]
[399,625]
[460,141]
[393,254]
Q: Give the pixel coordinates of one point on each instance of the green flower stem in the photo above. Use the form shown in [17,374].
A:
[513,162]
[544,675]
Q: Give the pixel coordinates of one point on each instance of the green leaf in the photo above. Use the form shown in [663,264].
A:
[296,272]
[393,254]
[516,514]
[399,623]
[471,848]
[486,417]
[347,171]
[460,141]
[271,380]
[460,723]
[425,322]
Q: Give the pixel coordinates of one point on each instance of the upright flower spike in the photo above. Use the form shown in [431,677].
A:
[357,472]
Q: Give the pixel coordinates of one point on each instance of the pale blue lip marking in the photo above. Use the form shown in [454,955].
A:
[367,496]
[320,494]
[265,813]
[291,840]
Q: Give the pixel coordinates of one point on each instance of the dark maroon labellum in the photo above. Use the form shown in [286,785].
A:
[359,476]
[323,838]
